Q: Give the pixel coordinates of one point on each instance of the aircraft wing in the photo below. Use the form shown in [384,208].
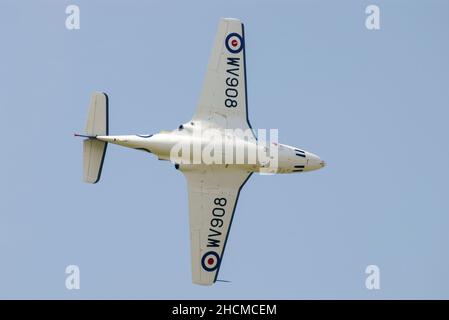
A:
[223,100]
[213,195]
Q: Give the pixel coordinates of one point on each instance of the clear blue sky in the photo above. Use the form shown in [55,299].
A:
[373,104]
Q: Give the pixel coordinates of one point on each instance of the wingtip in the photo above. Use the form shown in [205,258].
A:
[220,280]
[231,19]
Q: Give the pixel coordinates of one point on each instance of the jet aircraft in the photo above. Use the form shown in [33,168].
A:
[214,171]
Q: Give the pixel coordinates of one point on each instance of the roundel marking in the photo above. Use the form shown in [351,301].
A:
[234,43]
[210,261]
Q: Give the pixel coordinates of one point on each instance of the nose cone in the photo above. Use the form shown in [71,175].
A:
[313,162]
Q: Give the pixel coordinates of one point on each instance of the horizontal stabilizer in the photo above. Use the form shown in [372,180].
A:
[97,120]
[95,150]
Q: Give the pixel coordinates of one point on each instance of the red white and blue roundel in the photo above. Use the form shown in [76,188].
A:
[210,261]
[234,43]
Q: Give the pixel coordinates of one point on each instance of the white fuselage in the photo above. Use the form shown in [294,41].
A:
[183,147]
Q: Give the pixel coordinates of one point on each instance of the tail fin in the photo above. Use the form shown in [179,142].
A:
[97,125]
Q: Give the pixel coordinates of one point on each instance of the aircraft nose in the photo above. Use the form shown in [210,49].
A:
[314,162]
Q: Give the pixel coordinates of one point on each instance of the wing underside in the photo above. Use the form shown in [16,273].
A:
[214,189]
[223,100]
[213,195]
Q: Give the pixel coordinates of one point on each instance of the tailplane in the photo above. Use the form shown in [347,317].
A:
[97,125]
